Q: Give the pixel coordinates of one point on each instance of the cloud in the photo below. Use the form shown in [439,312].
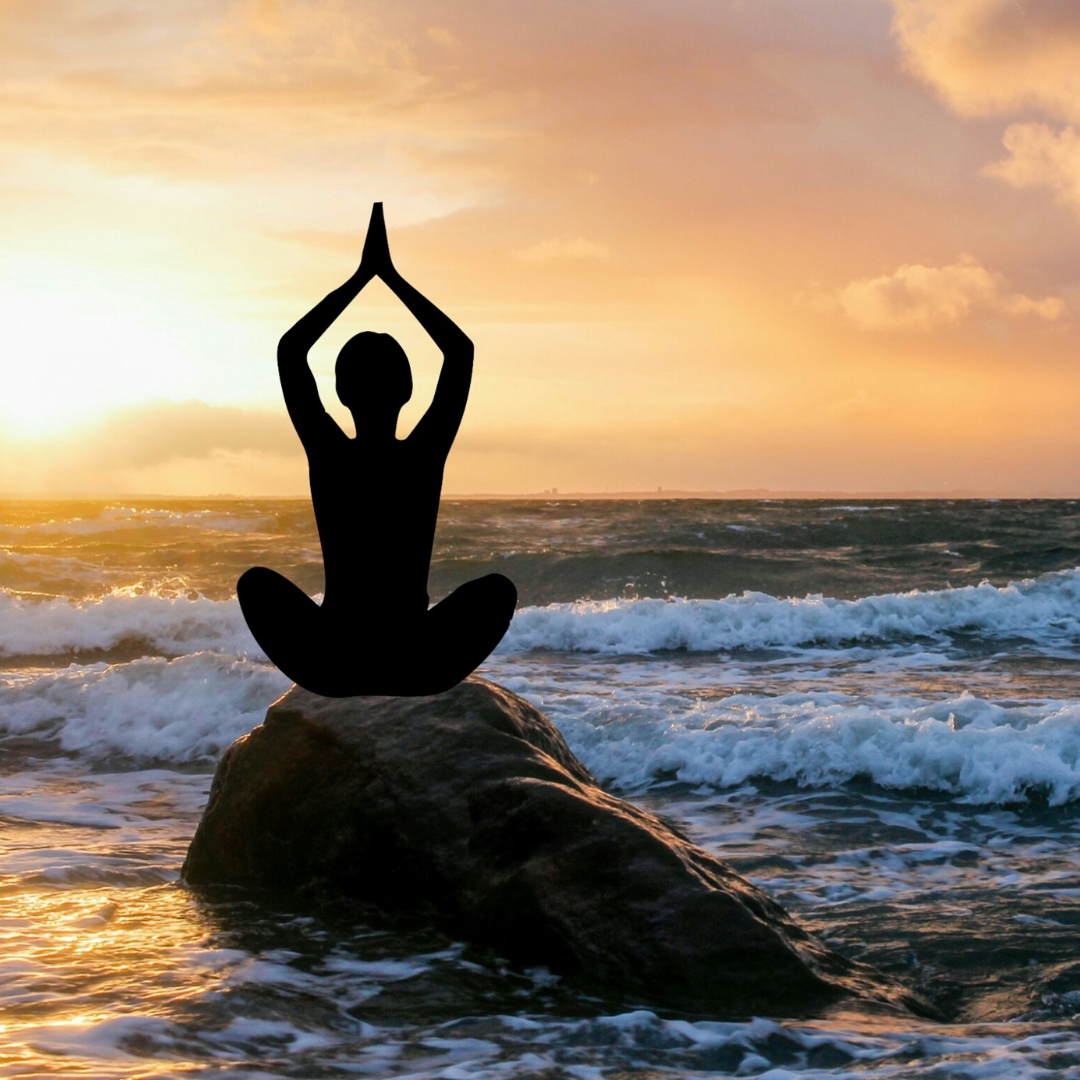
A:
[145,447]
[917,297]
[209,89]
[995,57]
[1042,157]
[145,435]
[724,154]
[559,250]
[1004,57]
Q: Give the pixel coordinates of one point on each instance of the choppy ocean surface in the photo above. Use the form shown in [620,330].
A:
[871,709]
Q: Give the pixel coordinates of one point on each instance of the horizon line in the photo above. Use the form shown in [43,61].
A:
[731,494]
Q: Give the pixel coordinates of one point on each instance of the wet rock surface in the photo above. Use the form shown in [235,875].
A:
[468,810]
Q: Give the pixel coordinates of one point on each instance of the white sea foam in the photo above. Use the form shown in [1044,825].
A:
[1042,611]
[169,625]
[1046,609]
[170,710]
[978,750]
[633,736]
[152,985]
[640,724]
[507,1046]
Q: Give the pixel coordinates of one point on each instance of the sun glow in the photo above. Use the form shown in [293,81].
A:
[651,296]
[73,350]
[80,340]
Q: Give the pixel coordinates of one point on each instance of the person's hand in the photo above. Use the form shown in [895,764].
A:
[376,257]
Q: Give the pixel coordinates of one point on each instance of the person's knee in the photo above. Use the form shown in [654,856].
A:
[501,591]
[476,609]
[253,583]
[265,594]
[252,576]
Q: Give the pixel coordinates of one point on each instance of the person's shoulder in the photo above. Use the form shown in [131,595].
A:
[323,433]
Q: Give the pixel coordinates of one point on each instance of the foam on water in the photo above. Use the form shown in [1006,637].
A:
[170,625]
[967,746]
[632,731]
[743,718]
[632,736]
[208,683]
[1042,610]
[291,999]
[637,1043]
[152,708]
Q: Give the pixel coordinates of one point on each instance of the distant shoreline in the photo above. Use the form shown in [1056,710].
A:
[760,494]
[553,495]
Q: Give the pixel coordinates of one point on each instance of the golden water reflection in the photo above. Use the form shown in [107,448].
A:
[76,959]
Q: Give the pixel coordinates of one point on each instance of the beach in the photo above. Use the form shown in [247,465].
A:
[870,708]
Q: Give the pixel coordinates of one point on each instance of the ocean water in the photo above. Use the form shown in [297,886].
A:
[871,709]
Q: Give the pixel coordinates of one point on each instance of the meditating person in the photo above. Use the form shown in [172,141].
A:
[376,500]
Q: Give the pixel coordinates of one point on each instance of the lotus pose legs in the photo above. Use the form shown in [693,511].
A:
[376,500]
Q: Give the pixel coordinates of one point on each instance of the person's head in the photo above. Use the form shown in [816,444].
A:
[372,370]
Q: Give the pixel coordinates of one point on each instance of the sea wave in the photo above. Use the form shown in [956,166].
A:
[1042,610]
[113,518]
[190,708]
[185,709]
[191,679]
[978,750]
[165,625]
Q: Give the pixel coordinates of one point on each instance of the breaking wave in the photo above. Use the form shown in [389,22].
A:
[1045,610]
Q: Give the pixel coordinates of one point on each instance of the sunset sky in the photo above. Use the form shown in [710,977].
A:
[699,244]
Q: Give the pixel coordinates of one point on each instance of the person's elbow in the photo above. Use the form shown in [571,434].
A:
[290,351]
[461,351]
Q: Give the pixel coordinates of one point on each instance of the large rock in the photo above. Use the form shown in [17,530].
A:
[468,809]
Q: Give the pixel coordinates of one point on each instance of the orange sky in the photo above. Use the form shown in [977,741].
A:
[704,244]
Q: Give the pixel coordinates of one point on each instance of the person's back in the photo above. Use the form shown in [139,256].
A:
[376,506]
[376,501]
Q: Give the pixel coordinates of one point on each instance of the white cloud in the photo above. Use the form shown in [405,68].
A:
[995,57]
[1042,157]
[917,297]
[1004,57]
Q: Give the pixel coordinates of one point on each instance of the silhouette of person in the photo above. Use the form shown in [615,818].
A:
[376,499]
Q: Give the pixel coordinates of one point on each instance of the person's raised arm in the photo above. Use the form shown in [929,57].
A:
[441,421]
[297,382]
